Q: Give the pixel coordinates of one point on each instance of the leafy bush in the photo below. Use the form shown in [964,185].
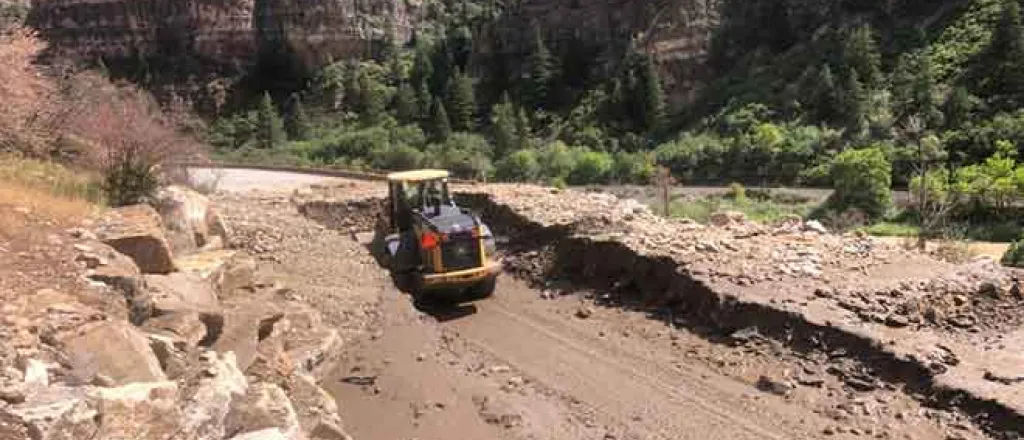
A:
[737,192]
[521,166]
[130,178]
[1014,255]
[591,167]
[861,179]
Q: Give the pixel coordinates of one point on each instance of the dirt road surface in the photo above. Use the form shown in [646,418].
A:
[534,364]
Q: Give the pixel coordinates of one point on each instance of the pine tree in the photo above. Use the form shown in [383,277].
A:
[407,109]
[1006,56]
[854,105]
[903,86]
[503,126]
[269,127]
[540,65]
[353,90]
[439,124]
[424,100]
[827,99]
[523,131]
[958,108]
[654,97]
[461,102]
[297,123]
[924,92]
[860,53]
[422,68]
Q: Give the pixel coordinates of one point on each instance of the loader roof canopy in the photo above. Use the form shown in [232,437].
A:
[417,175]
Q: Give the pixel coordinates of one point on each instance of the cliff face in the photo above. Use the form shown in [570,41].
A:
[676,32]
[226,31]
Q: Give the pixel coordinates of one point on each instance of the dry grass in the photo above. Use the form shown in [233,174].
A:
[34,191]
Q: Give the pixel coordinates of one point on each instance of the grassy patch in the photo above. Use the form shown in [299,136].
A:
[892,229]
[766,211]
[31,190]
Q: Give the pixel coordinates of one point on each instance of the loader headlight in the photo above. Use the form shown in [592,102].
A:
[490,245]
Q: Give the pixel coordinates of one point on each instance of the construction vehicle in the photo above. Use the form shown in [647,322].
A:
[432,247]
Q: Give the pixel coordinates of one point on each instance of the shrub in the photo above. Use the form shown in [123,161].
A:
[861,179]
[1014,256]
[591,167]
[521,166]
[737,192]
[130,178]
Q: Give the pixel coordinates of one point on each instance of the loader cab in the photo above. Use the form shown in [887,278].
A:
[417,193]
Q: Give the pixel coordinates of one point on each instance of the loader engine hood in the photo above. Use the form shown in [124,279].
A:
[451,219]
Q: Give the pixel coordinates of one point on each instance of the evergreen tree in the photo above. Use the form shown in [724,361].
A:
[854,105]
[461,102]
[269,127]
[860,53]
[373,99]
[353,90]
[406,108]
[439,121]
[826,93]
[1005,59]
[297,123]
[540,65]
[523,131]
[924,93]
[422,68]
[958,108]
[654,97]
[503,126]
[424,100]
[903,80]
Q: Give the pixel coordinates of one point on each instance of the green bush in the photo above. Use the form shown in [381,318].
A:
[737,192]
[130,179]
[521,166]
[1014,255]
[861,179]
[591,167]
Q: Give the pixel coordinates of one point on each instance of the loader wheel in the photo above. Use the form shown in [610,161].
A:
[483,289]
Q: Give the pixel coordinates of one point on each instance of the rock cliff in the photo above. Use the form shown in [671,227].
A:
[230,32]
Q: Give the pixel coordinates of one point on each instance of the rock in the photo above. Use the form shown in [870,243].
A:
[264,406]
[36,374]
[329,431]
[170,352]
[56,413]
[186,326]
[584,312]
[707,246]
[225,270]
[265,434]
[963,321]
[769,385]
[727,218]
[184,213]
[860,384]
[121,273]
[81,233]
[208,405]
[895,320]
[242,329]
[313,404]
[137,232]
[138,411]
[114,349]
[181,292]
[815,226]
[746,334]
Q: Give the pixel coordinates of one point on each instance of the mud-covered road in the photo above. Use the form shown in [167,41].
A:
[531,363]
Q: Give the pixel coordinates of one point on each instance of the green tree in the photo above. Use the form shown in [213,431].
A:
[269,126]
[1005,57]
[424,100]
[654,97]
[297,123]
[861,179]
[827,100]
[440,126]
[373,98]
[541,72]
[524,133]
[407,108]
[854,105]
[503,127]
[591,167]
[461,102]
[860,53]
[958,108]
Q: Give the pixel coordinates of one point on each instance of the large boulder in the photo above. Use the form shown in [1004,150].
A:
[106,265]
[314,405]
[55,413]
[186,327]
[137,231]
[225,270]
[208,403]
[114,349]
[190,220]
[245,325]
[138,411]
[178,292]
[264,406]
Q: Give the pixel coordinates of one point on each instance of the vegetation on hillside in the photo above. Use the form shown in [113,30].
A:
[81,119]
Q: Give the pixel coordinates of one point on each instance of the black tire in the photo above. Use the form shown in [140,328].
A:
[483,289]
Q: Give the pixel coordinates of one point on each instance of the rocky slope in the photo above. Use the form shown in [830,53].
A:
[149,328]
